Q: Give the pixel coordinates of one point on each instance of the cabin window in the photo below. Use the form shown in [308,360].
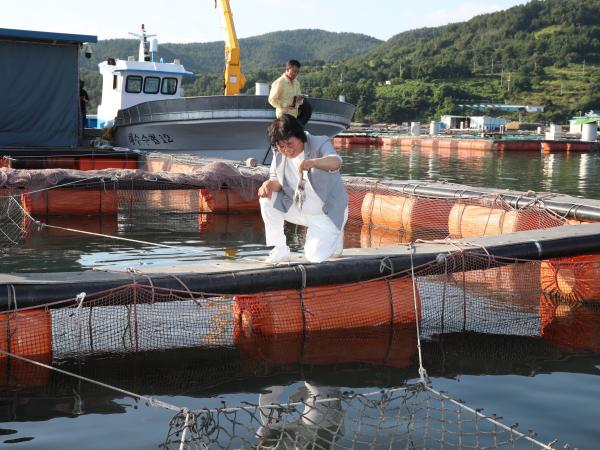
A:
[114,82]
[133,84]
[169,86]
[151,85]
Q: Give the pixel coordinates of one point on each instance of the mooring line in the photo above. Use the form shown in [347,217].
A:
[108,236]
[422,372]
[150,400]
[479,414]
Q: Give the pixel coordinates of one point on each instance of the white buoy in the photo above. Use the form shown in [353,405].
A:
[415,128]
[262,88]
[589,132]
[342,98]
[434,128]
[554,133]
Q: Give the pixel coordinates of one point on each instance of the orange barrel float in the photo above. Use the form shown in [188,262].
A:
[356,196]
[407,142]
[375,237]
[96,162]
[579,146]
[228,201]
[554,146]
[155,164]
[26,333]
[71,201]
[169,200]
[352,234]
[576,221]
[426,142]
[357,305]
[61,162]
[246,228]
[570,326]
[406,213]
[448,143]
[181,167]
[518,145]
[573,278]
[513,284]
[391,141]
[474,144]
[107,225]
[474,220]
[364,140]
[381,346]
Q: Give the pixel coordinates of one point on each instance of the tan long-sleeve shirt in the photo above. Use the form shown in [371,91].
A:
[282,96]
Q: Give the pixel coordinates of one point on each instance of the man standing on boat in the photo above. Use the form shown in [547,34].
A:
[285,95]
[83,102]
[305,187]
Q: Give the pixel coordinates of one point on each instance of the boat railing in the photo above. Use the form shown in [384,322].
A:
[209,107]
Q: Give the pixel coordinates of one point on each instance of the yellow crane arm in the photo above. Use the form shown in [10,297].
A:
[234,78]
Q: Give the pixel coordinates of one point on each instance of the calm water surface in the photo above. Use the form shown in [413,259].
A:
[546,389]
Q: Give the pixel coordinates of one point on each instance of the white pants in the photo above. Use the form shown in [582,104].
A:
[323,239]
[318,414]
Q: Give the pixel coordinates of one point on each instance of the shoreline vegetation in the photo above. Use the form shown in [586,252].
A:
[541,53]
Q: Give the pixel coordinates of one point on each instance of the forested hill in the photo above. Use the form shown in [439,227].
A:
[543,52]
[267,50]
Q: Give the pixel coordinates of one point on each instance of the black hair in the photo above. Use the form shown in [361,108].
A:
[293,63]
[284,128]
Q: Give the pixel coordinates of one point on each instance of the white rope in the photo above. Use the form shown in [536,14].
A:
[80,298]
[58,186]
[386,392]
[150,400]
[108,236]
[422,372]
[479,414]
[186,429]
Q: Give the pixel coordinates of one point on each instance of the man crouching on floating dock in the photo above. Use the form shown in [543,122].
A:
[305,187]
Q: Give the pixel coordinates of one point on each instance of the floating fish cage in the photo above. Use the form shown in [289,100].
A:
[423,259]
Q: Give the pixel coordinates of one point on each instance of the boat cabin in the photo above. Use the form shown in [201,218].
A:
[129,83]
[482,123]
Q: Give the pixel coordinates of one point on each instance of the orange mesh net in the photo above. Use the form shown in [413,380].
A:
[381,213]
[378,322]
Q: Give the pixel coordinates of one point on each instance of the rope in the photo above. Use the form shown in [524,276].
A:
[150,400]
[422,372]
[118,238]
[386,263]
[478,413]
[302,270]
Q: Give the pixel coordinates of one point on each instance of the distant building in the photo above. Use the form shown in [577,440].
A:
[40,97]
[577,122]
[481,123]
[505,107]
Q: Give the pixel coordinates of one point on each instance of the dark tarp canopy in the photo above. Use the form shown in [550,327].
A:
[39,75]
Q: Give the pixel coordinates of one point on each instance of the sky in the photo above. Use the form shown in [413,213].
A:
[187,21]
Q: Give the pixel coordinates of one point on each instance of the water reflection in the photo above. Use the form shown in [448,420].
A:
[35,393]
[550,163]
[584,173]
[320,424]
[519,170]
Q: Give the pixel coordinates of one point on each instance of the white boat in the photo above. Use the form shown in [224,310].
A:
[143,100]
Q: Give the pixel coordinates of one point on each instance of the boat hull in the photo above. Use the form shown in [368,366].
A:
[229,127]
